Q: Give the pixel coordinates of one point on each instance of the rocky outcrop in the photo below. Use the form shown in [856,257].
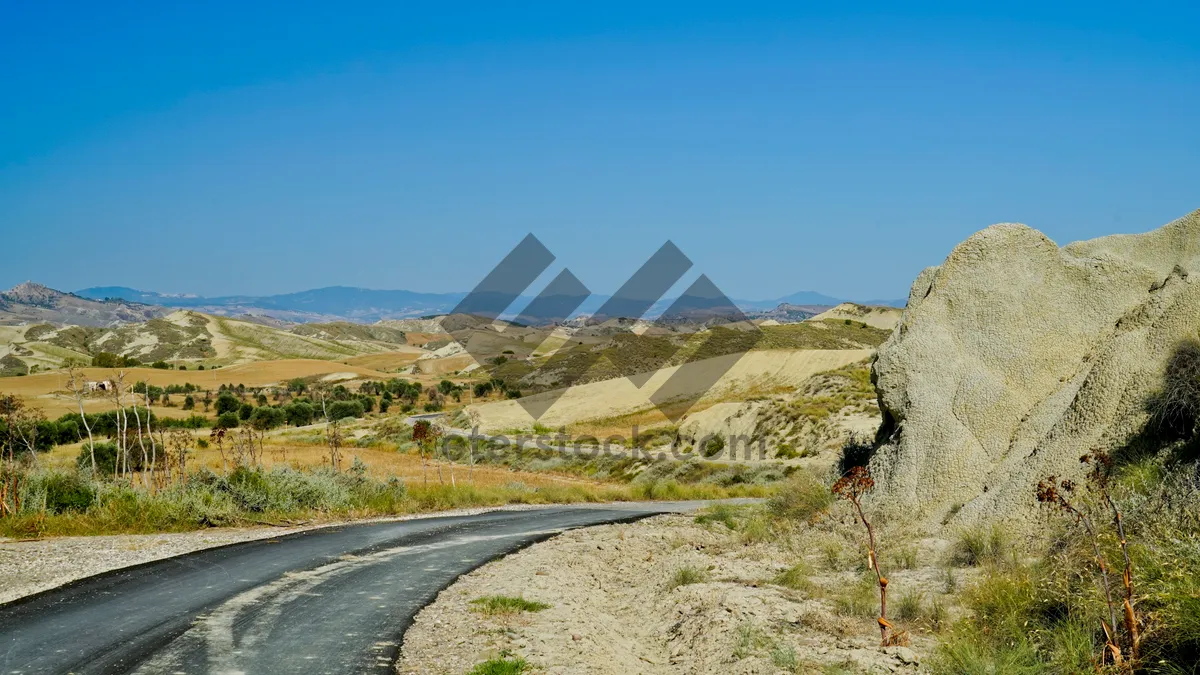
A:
[1016,356]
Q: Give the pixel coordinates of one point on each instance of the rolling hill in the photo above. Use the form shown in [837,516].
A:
[192,338]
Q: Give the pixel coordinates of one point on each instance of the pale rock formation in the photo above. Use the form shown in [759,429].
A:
[1015,357]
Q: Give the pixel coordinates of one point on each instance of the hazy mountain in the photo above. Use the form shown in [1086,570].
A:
[35,303]
[321,304]
[368,306]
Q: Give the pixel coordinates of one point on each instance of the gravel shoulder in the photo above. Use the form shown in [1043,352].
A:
[616,607]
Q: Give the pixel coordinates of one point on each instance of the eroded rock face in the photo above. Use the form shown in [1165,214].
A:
[1016,356]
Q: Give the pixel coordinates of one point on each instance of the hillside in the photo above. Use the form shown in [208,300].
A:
[626,354]
[34,303]
[193,339]
[882,317]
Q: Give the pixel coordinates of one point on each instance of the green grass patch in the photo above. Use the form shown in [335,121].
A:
[492,605]
[501,666]
[685,576]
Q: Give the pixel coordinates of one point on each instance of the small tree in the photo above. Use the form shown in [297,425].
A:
[217,438]
[426,436]
[852,487]
[227,403]
[77,383]
[333,439]
[299,414]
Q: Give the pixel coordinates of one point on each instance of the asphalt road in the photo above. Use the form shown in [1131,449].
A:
[335,600]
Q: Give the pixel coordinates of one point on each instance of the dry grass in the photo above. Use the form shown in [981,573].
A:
[382,463]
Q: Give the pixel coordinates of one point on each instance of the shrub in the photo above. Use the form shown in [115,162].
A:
[712,446]
[227,420]
[786,451]
[61,492]
[250,489]
[801,498]
[107,459]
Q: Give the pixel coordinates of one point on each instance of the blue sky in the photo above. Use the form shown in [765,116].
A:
[221,149]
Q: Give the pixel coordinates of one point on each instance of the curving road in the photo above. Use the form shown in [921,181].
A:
[334,600]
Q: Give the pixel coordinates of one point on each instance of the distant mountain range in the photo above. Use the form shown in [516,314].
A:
[368,306]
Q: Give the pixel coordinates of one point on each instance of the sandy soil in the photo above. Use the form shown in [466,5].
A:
[614,608]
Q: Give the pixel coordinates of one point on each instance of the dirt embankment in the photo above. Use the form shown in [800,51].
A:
[617,605]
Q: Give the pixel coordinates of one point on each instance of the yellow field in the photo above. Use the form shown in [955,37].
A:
[385,361]
[445,365]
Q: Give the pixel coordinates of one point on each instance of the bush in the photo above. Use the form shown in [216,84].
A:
[338,410]
[227,420]
[62,492]
[107,460]
[227,403]
[712,446]
[250,489]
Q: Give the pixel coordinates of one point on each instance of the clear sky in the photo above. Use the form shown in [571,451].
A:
[232,147]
